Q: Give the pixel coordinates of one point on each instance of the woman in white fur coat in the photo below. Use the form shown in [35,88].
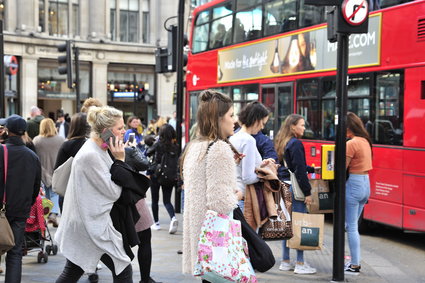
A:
[209,170]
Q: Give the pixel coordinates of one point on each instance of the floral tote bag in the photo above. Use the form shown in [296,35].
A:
[222,252]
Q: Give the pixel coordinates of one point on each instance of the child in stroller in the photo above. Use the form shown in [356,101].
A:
[37,232]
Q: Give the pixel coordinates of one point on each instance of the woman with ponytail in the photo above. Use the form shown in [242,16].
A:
[357,187]
[209,170]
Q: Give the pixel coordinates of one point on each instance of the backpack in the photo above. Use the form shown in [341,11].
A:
[166,172]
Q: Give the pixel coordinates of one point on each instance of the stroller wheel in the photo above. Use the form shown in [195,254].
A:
[45,257]
[93,278]
[40,257]
[48,249]
[55,249]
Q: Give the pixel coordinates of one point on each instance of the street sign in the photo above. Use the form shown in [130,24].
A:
[11,64]
[355,12]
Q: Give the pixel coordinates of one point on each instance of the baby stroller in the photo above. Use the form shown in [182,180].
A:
[37,232]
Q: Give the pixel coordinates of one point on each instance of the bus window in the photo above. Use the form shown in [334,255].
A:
[358,92]
[328,108]
[308,106]
[248,24]
[200,33]
[244,4]
[241,95]
[310,15]
[194,102]
[219,29]
[278,16]
[285,99]
[388,119]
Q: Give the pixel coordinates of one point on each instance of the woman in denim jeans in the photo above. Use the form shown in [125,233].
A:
[359,163]
[290,148]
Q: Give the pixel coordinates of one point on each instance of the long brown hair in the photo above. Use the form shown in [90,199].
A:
[355,125]
[213,105]
[285,134]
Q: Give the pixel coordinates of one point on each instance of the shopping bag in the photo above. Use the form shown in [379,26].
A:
[322,198]
[222,252]
[7,240]
[260,254]
[308,231]
[61,177]
[281,227]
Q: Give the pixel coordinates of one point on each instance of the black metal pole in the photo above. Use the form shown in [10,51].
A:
[180,94]
[340,148]
[2,104]
[77,77]
[135,95]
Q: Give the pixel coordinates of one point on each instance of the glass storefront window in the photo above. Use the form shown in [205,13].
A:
[52,85]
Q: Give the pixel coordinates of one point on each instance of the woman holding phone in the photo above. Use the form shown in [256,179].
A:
[132,134]
[87,234]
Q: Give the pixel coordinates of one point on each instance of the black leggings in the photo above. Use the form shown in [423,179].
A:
[72,272]
[166,197]
[144,254]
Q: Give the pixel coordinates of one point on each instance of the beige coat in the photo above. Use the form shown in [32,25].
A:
[209,183]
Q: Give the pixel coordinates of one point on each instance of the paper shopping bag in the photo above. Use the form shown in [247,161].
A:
[323,199]
[307,230]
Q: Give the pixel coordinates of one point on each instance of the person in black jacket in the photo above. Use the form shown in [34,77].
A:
[290,148]
[22,187]
[166,143]
[77,136]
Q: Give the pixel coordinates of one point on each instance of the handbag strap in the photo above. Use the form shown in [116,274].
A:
[5,158]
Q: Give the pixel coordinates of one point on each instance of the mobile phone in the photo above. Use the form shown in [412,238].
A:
[106,135]
[131,137]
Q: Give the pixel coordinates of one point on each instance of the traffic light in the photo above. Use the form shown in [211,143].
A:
[67,60]
[161,55]
[172,49]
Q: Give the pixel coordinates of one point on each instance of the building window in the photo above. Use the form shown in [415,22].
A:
[113,9]
[58,17]
[41,16]
[75,18]
[145,22]
[129,20]
[2,17]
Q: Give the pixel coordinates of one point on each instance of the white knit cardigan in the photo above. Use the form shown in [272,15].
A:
[209,183]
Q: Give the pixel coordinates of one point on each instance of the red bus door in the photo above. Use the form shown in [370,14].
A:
[279,99]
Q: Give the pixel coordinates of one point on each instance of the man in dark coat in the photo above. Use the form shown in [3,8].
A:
[33,125]
[22,187]
[62,125]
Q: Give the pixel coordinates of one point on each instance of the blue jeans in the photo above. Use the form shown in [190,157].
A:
[54,197]
[14,255]
[357,192]
[297,206]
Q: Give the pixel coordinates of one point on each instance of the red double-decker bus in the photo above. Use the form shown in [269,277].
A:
[277,52]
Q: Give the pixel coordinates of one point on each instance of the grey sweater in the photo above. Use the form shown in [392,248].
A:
[47,149]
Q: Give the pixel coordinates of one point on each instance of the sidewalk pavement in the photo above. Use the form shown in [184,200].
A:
[166,263]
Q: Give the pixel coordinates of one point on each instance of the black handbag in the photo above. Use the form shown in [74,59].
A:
[260,254]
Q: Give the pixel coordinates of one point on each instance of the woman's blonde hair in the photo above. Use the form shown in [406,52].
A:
[285,134]
[47,128]
[101,118]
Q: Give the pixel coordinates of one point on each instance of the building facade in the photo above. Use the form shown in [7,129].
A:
[116,39]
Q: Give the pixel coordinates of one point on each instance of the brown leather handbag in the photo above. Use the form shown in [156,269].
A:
[7,240]
[280,227]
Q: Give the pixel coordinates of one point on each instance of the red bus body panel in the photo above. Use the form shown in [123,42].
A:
[398,178]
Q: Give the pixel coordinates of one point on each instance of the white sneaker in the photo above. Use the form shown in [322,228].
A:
[286,266]
[173,225]
[99,266]
[304,269]
[156,226]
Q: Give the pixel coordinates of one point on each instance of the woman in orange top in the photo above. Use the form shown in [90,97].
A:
[359,163]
